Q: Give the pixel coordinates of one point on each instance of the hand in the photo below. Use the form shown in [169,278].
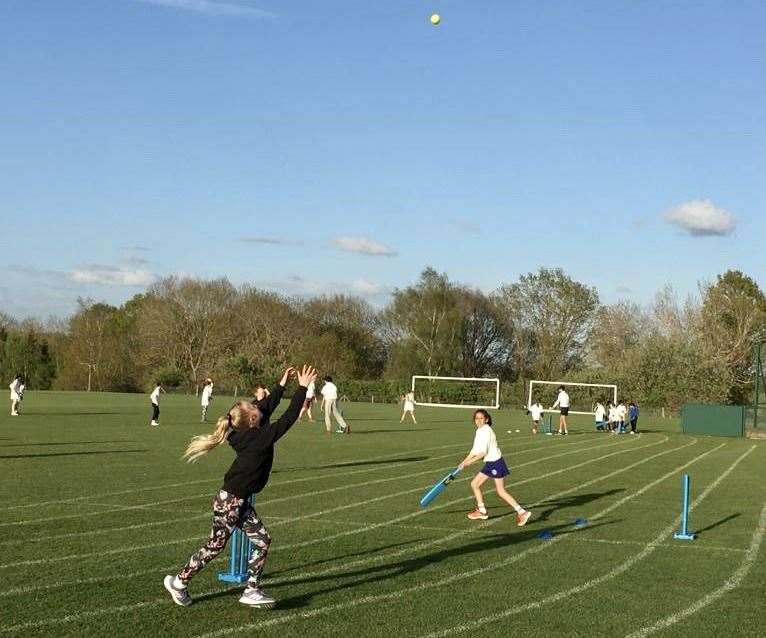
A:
[306,375]
[288,372]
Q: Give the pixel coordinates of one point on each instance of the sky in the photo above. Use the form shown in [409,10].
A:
[343,146]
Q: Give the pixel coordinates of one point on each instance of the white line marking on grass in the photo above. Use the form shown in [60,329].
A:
[368,527]
[734,581]
[617,571]
[264,503]
[395,595]
[78,617]
[55,559]
[674,547]
[77,499]
[141,506]
[446,504]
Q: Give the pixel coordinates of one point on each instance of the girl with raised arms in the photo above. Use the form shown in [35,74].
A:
[249,432]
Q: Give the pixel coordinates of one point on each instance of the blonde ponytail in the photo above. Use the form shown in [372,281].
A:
[201,445]
[241,416]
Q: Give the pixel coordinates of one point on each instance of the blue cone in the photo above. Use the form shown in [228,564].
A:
[581,522]
[545,535]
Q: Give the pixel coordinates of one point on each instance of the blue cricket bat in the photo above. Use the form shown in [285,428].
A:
[438,488]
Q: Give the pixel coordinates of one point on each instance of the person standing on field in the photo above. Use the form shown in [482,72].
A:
[408,401]
[536,412]
[155,397]
[562,403]
[17,394]
[207,397]
[633,416]
[330,407]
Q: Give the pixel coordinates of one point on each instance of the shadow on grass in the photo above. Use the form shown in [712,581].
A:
[52,414]
[723,521]
[396,569]
[36,456]
[412,459]
[366,552]
[61,443]
[553,505]
[578,500]
[392,431]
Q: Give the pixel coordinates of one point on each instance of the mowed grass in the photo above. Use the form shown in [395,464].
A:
[98,506]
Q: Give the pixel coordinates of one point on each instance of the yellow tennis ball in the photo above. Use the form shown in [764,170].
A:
[435,19]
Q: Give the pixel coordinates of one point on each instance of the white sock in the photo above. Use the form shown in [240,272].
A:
[178,584]
[481,508]
[520,509]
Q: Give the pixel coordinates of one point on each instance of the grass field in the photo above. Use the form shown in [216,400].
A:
[98,507]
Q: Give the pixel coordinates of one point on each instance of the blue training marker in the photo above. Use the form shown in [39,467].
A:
[545,535]
[581,522]
[684,534]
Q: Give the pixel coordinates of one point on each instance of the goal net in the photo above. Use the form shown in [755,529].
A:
[456,392]
[582,396]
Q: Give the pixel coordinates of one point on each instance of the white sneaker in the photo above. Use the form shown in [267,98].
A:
[154,423]
[180,596]
[255,597]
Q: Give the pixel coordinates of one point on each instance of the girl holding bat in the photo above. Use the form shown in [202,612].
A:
[485,449]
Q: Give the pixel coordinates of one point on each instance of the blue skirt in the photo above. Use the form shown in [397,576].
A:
[496,469]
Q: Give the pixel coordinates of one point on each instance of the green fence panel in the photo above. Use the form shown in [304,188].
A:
[713,420]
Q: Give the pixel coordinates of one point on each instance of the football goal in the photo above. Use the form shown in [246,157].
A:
[583,396]
[456,392]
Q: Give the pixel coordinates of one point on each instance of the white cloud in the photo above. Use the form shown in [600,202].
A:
[112,276]
[212,8]
[364,246]
[701,218]
[366,288]
[624,290]
[271,241]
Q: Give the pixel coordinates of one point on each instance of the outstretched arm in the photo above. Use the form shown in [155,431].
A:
[271,402]
[286,421]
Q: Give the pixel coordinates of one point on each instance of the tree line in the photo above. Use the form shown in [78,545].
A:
[543,326]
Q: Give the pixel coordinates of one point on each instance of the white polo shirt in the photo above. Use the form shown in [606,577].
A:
[330,391]
[155,395]
[600,412]
[485,444]
[311,390]
[562,401]
[536,411]
[207,392]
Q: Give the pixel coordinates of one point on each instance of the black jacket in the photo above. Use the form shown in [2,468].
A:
[255,447]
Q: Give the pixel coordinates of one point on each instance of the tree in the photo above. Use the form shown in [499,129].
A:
[485,337]
[553,316]
[734,318]
[424,321]
[187,324]
[356,327]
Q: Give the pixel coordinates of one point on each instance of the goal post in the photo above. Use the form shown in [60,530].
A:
[456,392]
[582,395]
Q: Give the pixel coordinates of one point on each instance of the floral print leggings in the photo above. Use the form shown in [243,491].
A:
[230,512]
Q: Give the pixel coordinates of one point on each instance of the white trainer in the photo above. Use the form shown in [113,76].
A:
[180,596]
[255,597]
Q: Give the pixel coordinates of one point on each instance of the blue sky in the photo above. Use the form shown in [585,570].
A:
[622,141]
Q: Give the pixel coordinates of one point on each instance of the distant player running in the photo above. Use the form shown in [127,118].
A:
[485,448]
[252,436]
[562,403]
[311,394]
[207,397]
[408,407]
